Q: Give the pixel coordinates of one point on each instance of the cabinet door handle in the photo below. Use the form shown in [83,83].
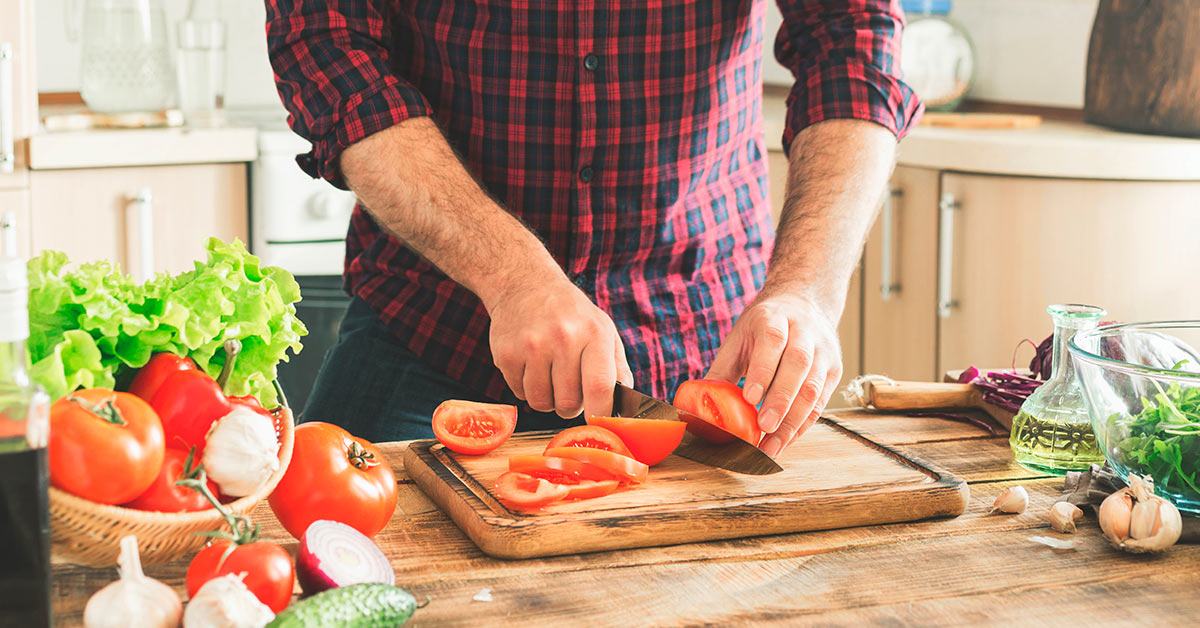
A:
[888,286]
[139,233]
[945,278]
[8,233]
[8,155]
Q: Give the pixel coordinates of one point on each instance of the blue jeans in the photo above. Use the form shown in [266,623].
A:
[377,389]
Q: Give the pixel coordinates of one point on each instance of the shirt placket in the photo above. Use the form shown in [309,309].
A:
[586,171]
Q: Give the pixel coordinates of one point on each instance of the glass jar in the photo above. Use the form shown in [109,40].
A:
[1052,433]
[937,56]
[126,64]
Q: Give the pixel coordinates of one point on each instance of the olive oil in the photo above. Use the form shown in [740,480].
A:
[1054,446]
[1053,431]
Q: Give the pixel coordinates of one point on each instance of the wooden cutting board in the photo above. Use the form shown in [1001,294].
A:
[833,478]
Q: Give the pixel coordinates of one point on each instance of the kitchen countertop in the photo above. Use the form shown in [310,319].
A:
[1053,149]
[974,569]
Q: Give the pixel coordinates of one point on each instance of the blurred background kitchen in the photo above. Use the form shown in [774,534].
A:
[982,228]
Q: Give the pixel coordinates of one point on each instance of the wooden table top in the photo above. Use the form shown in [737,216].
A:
[973,569]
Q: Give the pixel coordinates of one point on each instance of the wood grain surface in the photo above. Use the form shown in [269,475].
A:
[1143,67]
[685,501]
[975,569]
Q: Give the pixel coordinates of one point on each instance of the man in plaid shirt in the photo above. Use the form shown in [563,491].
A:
[555,196]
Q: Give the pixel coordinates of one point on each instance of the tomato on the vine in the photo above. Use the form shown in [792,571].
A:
[164,495]
[335,476]
[105,446]
[270,575]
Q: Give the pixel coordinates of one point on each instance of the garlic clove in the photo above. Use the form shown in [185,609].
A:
[1063,515]
[1114,515]
[1165,531]
[133,600]
[1014,500]
[1144,519]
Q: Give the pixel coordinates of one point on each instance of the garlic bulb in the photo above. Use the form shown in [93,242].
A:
[225,602]
[1013,500]
[134,599]
[1136,520]
[1063,516]
[241,452]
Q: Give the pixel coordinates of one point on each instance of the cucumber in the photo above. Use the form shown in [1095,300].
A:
[356,606]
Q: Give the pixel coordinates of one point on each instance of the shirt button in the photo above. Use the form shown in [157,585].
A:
[591,62]
[585,174]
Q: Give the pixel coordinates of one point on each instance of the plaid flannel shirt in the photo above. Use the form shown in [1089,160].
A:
[626,134]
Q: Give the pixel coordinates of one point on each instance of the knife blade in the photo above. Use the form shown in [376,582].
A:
[737,456]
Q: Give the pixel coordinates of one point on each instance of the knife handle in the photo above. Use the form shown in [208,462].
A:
[919,395]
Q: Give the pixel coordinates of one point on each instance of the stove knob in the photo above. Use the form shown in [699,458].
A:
[330,204]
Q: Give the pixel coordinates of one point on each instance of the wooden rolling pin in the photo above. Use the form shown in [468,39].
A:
[884,394]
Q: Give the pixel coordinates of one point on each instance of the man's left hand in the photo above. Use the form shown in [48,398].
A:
[787,349]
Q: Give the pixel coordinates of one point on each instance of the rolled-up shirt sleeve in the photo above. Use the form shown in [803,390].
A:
[332,70]
[845,55]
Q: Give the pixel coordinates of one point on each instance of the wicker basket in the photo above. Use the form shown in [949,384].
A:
[87,533]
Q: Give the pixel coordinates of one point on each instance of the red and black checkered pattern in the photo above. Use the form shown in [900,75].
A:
[627,134]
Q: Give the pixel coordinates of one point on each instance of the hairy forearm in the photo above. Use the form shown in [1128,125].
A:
[836,176]
[415,187]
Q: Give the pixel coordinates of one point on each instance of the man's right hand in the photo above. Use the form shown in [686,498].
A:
[556,349]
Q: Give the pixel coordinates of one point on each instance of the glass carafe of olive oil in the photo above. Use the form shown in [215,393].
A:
[1052,433]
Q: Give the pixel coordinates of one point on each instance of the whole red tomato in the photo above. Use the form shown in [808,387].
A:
[164,495]
[105,446]
[270,575]
[335,476]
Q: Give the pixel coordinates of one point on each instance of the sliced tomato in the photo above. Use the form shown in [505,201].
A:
[558,470]
[650,441]
[521,491]
[473,428]
[589,436]
[589,489]
[621,467]
[720,404]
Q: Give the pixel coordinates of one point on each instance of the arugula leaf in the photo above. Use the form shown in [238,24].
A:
[1164,438]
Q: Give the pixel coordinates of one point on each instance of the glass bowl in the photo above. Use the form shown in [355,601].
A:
[1142,385]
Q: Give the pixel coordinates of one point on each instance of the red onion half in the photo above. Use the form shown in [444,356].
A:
[333,554]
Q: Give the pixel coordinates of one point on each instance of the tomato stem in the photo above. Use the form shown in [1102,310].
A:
[242,531]
[360,457]
[106,410]
[191,470]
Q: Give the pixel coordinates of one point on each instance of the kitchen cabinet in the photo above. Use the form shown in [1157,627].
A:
[959,267]
[899,329]
[851,326]
[14,221]
[147,218]
[18,91]
[1016,244]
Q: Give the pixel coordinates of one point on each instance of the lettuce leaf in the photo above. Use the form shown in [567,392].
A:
[95,325]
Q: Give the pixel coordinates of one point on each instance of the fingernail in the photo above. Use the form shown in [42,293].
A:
[771,445]
[768,420]
[753,394]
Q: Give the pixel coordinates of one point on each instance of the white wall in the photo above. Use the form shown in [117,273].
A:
[1029,51]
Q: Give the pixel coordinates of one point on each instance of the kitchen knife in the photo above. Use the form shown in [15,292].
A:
[737,456]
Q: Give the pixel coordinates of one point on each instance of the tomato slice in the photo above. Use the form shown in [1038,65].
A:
[521,491]
[621,467]
[589,489]
[590,436]
[721,404]
[558,470]
[473,428]
[650,441]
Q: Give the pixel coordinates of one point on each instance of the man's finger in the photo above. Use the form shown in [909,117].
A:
[599,373]
[728,364]
[624,373]
[768,343]
[565,373]
[831,381]
[539,393]
[775,442]
[793,370]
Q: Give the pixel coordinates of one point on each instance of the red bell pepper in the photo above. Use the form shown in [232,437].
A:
[161,366]
[189,402]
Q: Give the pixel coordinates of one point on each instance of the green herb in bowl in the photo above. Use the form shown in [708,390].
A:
[1164,440]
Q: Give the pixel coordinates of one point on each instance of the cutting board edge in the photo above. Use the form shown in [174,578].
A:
[521,538]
